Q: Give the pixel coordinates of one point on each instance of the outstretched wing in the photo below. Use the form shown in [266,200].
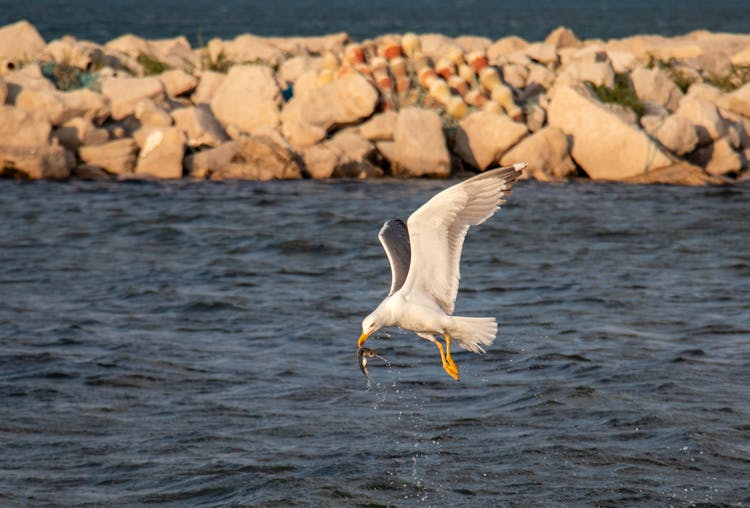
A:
[395,239]
[438,228]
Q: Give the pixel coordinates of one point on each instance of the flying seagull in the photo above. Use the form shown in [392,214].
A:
[424,255]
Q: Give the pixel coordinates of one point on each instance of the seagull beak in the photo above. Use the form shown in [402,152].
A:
[362,339]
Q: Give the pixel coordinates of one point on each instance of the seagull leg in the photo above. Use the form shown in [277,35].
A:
[452,370]
[448,357]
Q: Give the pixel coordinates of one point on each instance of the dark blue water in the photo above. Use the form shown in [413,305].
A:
[532,19]
[195,344]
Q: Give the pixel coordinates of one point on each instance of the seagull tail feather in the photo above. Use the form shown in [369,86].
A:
[472,333]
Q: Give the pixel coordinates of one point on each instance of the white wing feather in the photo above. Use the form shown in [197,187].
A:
[438,228]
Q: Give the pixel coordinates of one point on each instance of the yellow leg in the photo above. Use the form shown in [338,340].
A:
[448,356]
[451,369]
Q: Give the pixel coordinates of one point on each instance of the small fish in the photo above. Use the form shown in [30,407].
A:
[363,354]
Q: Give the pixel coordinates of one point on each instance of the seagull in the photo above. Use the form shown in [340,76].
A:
[424,255]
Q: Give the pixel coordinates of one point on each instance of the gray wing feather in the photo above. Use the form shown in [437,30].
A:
[395,239]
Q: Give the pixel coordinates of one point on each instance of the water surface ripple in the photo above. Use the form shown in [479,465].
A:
[194,343]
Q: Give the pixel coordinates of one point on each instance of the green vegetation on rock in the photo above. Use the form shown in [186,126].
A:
[151,66]
[621,93]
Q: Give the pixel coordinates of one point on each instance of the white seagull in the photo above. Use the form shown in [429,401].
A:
[424,255]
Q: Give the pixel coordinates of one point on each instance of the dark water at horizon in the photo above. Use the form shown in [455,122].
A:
[194,344]
[201,20]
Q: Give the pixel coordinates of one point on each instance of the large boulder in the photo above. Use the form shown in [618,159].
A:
[3,90]
[419,145]
[28,77]
[209,83]
[562,37]
[655,85]
[483,137]
[245,49]
[177,82]
[116,157]
[546,153]
[676,133]
[738,101]
[503,47]
[307,117]
[20,42]
[597,73]
[542,52]
[311,45]
[718,158]
[25,149]
[20,128]
[59,107]
[171,53]
[78,132]
[247,158]
[380,127]
[124,93]
[437,46]
[704,116]
[291,69]
[162,153]
[320,161]
[605,146]
[200,126]
[248,99]
[352,155]
[149,113]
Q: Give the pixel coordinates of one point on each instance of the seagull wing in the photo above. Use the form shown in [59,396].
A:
[438,228]
[395,240]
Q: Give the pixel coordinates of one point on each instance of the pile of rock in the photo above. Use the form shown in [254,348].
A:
[643,109]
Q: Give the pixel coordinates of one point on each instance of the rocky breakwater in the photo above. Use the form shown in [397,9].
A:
[640,109]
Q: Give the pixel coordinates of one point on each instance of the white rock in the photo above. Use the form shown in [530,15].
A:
[248,99]
[116,157]
[20,42]
[248,158]
[718,158]
[80,131]
[503,47]
[419,148]
[597,73]
[320,161]
[655,85]
[199,126]
[245,49]
[622,61]
[483,137]
[148,113]
[676,133]
[562,37]
[207,86]
[311,112]
[705,117]
[738,101]
[162,154]
[546,153]
[380,127]
[177,82]
[124,93]
[436,46]
[541,52]
[605,146]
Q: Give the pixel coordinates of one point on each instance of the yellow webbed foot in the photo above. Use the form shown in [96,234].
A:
[448,364]
[449,358]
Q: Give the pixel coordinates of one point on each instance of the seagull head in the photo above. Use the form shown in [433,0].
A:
[370,325]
